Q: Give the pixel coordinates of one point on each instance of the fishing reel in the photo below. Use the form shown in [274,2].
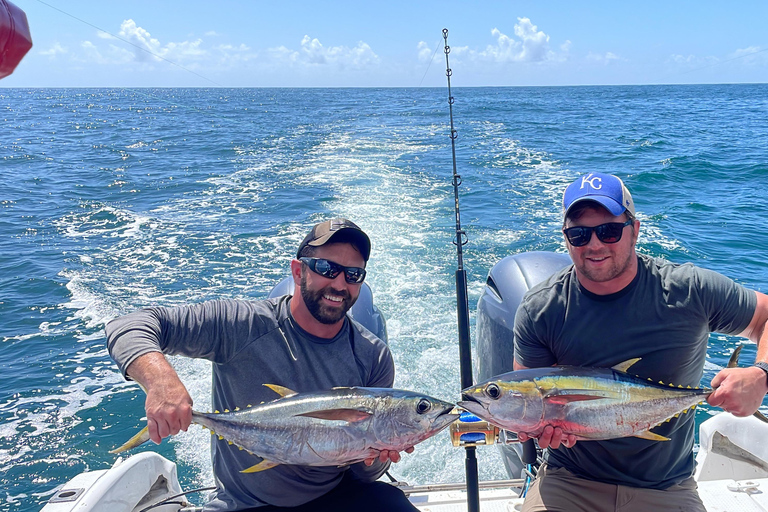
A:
[469,430]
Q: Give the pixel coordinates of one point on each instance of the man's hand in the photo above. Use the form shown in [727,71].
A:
[169,410]
[168,404]
[385,455]
[739,391]
[551,437]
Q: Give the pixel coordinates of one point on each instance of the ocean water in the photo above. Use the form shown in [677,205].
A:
[115,199]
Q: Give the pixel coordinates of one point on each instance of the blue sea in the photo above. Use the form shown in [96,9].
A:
[115,199]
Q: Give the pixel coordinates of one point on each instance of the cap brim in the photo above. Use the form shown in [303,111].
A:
[363,242]
[614,207]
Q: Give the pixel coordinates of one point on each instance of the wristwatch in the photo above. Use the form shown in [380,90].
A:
[763,366]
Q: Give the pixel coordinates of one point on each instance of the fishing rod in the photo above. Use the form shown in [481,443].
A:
[462,304]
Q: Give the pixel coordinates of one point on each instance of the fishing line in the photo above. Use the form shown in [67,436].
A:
[724,61]
[437,46]
[132,44]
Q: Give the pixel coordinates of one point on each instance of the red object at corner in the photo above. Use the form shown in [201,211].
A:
[15,39]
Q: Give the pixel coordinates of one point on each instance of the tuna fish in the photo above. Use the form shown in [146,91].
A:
[325,428]
[590,403]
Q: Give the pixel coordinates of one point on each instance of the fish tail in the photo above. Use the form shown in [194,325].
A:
[137,440]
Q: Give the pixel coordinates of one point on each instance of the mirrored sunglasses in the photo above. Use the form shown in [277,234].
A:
[330,269]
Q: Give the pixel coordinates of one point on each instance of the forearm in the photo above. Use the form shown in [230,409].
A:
[153,371]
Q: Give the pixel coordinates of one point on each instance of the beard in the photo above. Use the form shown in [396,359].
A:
[616,269]
[322,313]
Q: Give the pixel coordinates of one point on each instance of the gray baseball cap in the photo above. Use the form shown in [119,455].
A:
[337,230]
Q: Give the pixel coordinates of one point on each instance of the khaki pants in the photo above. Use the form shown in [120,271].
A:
[558,490]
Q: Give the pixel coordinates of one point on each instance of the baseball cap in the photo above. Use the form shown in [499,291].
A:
[339,230]
[606,189]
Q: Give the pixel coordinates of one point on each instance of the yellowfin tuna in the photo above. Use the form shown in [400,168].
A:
[590,403]
[326,428]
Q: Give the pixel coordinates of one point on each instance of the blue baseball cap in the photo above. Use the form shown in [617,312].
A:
[606,189]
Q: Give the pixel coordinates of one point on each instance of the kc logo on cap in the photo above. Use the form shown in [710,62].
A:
[605,189]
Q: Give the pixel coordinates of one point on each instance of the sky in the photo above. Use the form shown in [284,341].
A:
[395,43]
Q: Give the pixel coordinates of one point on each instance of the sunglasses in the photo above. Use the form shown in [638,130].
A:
[329,269]
[608,233]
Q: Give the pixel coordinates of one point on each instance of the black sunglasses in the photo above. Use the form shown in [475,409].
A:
[608,233]
[330,269]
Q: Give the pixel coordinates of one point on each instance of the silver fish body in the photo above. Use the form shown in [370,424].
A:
[329,428]
[590,403]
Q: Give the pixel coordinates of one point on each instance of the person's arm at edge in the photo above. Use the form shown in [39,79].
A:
[740,391]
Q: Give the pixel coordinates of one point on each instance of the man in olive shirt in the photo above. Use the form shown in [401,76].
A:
[304,342]
[612,305]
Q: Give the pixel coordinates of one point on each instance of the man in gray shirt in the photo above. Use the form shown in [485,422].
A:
[304,342]
[612,305]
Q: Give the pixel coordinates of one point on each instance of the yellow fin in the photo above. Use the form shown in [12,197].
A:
[261,466]
[280,390]
[348,415]
[651,436]
[733,362]
[623,367]
[137,440]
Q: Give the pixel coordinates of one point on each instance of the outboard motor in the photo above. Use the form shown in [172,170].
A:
[507,282]
[363,311]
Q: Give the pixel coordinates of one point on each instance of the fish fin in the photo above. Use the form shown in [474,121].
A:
[651,436]
[565,396]
[261,466]
[760,416]
[280,390]
[137,440]
[623,367]
[733,362]
[348,415]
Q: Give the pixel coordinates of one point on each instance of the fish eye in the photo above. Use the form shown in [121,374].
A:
[493,391]
[423,406]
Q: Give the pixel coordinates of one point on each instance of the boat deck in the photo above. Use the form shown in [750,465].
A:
[497,496]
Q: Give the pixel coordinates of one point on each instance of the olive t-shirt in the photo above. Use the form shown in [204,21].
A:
[664,316]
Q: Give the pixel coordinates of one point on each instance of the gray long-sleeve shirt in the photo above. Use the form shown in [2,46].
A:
[252,343]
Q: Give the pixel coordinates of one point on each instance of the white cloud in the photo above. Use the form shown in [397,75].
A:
[231,48]
[750,56]
[531,45]
[54,50]
[605,58]
[313,53]
[144,43]
[424,51]
[692,60]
